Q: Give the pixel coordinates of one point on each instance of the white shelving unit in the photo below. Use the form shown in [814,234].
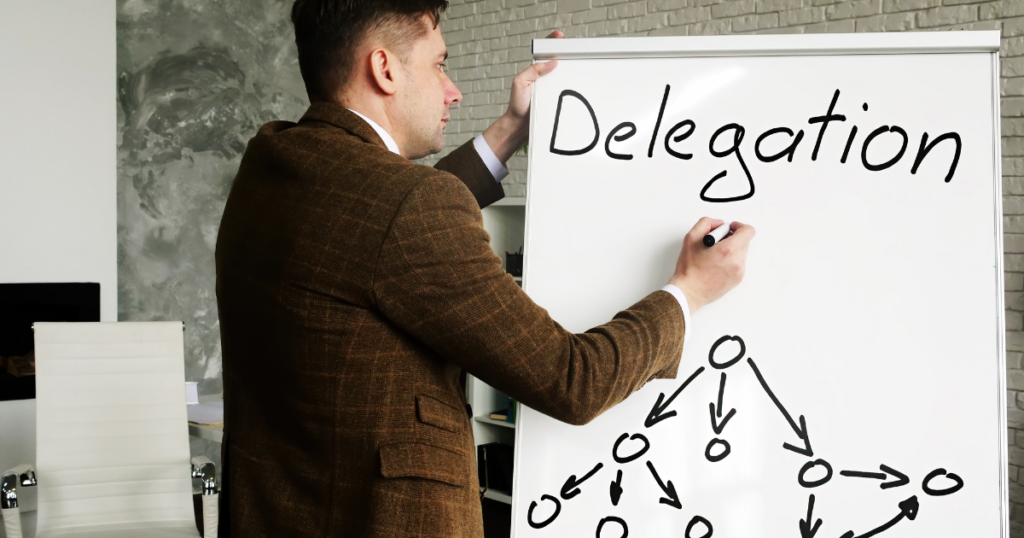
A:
[489,420]
[505,221]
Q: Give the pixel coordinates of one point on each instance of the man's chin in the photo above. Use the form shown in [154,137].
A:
[426,152]
[438,145]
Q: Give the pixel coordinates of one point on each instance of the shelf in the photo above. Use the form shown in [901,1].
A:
[517,278]
[497,495]
[488,420]
[512,200]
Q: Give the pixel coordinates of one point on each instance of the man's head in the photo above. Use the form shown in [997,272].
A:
[384,54]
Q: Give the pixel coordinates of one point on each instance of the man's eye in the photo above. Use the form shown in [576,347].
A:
[442,66]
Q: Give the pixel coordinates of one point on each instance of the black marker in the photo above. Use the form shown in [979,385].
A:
[716,235]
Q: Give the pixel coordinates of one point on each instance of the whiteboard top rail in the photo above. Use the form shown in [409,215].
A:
[767,45]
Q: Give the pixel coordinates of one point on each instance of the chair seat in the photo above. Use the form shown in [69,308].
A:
[176,529]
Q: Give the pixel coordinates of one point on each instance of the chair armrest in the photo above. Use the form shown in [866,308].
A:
[23,476]
[20,476]
[12,522]
[210,515]
[204,469]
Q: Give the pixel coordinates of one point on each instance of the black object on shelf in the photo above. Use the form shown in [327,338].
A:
[514,262]
[497,519]
[494,465]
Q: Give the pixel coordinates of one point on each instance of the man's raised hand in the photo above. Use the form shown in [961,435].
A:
[512,129]
[705,274]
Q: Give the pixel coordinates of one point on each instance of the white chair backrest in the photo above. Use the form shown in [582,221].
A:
[112,444]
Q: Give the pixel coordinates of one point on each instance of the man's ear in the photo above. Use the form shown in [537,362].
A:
[385,70]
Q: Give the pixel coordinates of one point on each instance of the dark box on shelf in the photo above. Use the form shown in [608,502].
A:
[494,465]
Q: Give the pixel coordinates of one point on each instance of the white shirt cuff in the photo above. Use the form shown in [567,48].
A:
[678,294]
[498,170]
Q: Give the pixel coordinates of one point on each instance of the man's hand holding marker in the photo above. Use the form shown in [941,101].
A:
[712,261]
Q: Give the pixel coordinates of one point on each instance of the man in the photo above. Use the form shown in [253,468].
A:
[356,288]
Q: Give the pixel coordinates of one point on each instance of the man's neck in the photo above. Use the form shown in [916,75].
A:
[374,110]
[385,136]
[374,113]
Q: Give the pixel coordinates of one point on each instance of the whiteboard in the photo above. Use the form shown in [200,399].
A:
[856,377]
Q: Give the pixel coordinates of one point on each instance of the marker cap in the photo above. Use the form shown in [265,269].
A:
[716,235]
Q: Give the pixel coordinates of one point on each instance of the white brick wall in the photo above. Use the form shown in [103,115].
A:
[489,42]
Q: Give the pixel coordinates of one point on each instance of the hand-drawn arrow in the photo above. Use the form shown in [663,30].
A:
[570,489]
[908,509]
[800,431]
[901,479]
[668,488]
[615,488]
[658,413]
[715,425]
[721,394]
[806,529]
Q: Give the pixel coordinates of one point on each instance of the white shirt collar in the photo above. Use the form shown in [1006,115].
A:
[384,135]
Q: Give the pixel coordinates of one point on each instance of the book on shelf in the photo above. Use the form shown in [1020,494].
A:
[508,414]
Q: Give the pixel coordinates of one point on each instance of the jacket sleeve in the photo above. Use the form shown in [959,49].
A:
[438,280]
[465,163]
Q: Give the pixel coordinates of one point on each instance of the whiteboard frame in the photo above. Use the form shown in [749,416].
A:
[988,41]
[767,45]
[1004,497]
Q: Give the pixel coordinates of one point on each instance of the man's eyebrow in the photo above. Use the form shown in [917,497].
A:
[445,56]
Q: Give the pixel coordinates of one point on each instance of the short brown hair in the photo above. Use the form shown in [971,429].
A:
[328,32]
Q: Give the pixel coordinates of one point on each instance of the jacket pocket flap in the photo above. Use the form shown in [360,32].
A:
[423,461]
[434,412]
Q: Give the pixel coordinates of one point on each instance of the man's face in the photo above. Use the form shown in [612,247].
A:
[428,92]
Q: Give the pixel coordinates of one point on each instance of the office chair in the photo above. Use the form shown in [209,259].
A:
[111,436]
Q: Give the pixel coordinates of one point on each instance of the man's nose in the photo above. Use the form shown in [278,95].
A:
[452,94]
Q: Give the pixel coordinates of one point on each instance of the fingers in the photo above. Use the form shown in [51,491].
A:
[545,68]
[537,70]
[741,233]
[705,225]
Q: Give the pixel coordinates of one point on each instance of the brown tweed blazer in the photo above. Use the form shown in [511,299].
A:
[355,288]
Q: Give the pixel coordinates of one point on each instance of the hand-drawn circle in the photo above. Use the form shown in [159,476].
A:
[696,520]
[631,457]
[730,362]
[613,519]
[726,449]
[959,483]
[546,522]
[815,483]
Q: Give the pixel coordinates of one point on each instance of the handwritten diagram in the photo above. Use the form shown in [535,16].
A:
[815,471]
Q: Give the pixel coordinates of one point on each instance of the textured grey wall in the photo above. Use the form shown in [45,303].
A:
[196,79]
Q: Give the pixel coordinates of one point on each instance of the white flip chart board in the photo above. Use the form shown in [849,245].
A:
[853,384]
